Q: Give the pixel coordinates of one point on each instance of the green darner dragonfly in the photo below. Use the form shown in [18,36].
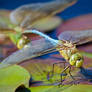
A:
[33,49]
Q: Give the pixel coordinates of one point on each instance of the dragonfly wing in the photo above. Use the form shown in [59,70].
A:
[33,12]
[77,37]
[33,49]
[5,22]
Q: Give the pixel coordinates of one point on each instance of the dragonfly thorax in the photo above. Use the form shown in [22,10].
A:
[71,54]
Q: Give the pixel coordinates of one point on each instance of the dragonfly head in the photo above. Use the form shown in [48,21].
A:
[76,59]
[22,42]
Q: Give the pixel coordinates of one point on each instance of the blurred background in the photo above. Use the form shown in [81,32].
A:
[80,8]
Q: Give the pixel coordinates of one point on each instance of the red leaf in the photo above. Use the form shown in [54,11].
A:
[78,23]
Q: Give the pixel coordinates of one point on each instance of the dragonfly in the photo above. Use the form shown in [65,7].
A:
[73,39]
[66,48]
[27,52]
[27,16]
[40,47]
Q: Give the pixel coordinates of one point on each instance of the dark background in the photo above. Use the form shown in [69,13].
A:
[81,7]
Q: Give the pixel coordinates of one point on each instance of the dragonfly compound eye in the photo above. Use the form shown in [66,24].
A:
[22,42]
[76,59]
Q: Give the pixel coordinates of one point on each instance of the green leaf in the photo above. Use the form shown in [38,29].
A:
[12,77]
[41,70]
[50,88]
[65,88]
[79,88]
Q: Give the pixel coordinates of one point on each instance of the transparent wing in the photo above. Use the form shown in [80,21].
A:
[33,49]
[77,37]
[5,23]
[27,14]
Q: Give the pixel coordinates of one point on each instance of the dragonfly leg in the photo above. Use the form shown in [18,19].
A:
[62,79]
[53,68]
[56,64]
[70,73]
[60,84]
[74,80]
[63,74]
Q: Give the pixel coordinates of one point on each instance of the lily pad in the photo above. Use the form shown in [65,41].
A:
[12,77]
[41,70]
[79,88]
[82,22]
[49,88]
[66,88]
